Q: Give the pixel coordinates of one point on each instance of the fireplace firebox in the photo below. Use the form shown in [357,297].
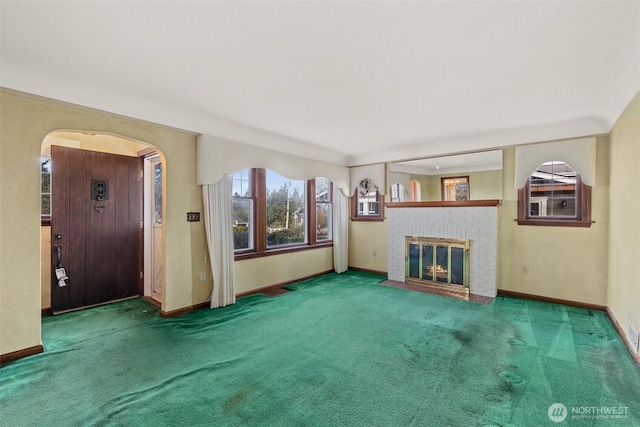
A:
[437,261]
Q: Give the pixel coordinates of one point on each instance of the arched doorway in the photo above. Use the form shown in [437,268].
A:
[98,235]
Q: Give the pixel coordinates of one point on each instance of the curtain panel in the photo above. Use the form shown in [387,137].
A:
[340,230]
[218,221]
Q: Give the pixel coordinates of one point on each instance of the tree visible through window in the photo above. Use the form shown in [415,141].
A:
[323,209]
[285,210]
[45,188]
[243,202]
[272,212]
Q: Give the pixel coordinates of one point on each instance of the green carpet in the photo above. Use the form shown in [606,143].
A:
[340,350]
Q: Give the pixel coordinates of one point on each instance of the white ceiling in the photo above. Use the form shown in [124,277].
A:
[345,82]
[460,163]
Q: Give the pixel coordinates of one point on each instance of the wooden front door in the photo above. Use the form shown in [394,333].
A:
[96,227]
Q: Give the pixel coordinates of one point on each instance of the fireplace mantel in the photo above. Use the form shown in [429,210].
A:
[450,204]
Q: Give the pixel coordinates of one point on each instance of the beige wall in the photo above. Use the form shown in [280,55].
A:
[482,185]
[257,273]
[623,296]
[561,262]
[368,245]
[24,123]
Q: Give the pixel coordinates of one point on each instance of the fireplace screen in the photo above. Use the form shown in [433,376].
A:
[440,261]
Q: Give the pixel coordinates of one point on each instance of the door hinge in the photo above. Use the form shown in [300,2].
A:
[142,275]
[142,224]
[141,173]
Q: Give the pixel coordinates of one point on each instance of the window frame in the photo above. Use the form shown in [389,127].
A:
[258,193]
[252,220]
[45,219]
[355,200]
[313,203]
[443,184]
[583,208]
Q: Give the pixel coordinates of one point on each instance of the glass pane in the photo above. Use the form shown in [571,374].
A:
[534,209]
[398,193]
[323,190]
[242,214]
[442,264]
[323,221]
[455,189]
[368,204]
[414,261]
[46,183]
[157,193]
[552,190]
[285,210]
[427,262]
[241,184]
[45,208]
[45,186]
[45,164]
[457,266]
[564,207]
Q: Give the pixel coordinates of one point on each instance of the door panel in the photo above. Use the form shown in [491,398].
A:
[101,239]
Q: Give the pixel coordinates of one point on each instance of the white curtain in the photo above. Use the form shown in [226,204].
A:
[219,227]
[340,230]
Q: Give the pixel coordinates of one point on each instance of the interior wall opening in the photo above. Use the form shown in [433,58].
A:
[99,144]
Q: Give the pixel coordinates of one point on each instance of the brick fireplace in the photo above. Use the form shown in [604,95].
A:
[474,221]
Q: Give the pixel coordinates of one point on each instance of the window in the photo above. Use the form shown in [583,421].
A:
[285,208]
[398,193]
[555,195]
[243,203]
[455,188]
[157,193]
[271,214]
[323,200]
[45,190]
[366,204]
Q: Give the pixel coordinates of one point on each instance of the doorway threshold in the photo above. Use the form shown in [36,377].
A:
[55,313]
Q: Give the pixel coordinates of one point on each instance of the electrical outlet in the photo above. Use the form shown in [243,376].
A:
[524,269]
[203,276]
[375,253]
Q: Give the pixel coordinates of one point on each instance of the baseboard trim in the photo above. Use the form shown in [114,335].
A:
[184,310]
[281,284]
[46,311]
[623,336]
[366,270]
[25,352]
[552,300]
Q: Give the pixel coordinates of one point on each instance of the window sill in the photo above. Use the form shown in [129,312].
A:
[555,223]
[367,218]
[280,251]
